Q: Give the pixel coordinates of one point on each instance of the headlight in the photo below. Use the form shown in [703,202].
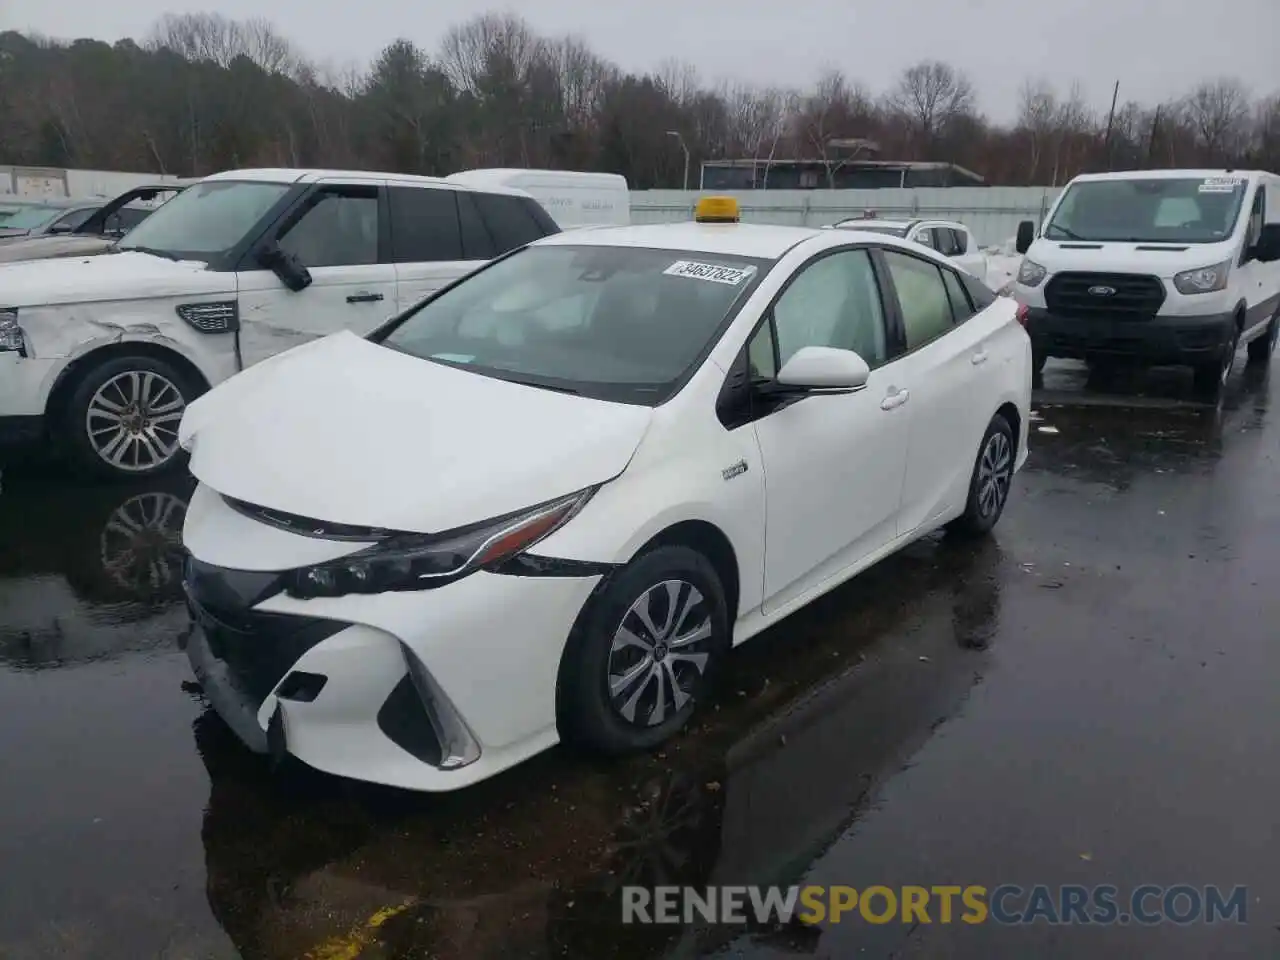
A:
[1204,279]
[421,561]
[1030,273]
[10,333]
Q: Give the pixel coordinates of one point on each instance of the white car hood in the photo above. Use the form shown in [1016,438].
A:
[346,431]
[115,276]
[1158,259]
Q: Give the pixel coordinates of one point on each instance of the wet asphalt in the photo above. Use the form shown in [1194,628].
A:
[1090,697]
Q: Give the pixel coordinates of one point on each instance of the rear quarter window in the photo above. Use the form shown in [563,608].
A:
[509,221]
[424,225]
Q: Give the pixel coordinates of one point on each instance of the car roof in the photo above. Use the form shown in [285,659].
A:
[759,241]
[879,222]
[1188,174]
[291,175]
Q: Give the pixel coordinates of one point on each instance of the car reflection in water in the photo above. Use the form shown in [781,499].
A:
[812,720]
[89,573]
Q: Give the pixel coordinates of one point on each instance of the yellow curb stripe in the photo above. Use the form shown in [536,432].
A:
[350,947]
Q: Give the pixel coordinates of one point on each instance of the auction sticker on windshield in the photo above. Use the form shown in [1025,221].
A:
[1221,184]
[715,273]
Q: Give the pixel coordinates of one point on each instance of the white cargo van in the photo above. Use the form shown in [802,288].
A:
[1163,267]
[573,199]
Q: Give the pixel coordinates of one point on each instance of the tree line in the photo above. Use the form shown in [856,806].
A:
[203,93]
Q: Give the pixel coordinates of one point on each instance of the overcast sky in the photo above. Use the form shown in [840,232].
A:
[1155,49]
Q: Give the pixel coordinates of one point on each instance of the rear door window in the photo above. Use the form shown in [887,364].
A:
[424,225]
[961,307]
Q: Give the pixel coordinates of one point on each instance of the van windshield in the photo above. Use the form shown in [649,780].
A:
[1158,210]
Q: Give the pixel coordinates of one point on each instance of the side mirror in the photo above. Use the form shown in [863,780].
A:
[287,267]
[60,228]
[1026,236]
[1267,249]
[823,370]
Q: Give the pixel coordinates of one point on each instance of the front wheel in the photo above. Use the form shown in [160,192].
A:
[989,484]
[645,653]
[1211,377]
[122,419]
[1261,348]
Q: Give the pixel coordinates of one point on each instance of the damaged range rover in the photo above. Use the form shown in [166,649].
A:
[101,355]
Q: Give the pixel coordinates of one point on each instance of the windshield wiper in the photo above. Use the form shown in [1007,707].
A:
[151,250]
[1070,234]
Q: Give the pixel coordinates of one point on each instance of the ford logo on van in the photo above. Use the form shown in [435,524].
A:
[1102,291]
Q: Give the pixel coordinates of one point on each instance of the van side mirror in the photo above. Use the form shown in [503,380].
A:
[1267,249]
[1026,236]
[291,271]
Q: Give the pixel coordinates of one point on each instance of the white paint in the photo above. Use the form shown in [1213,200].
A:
[346,431]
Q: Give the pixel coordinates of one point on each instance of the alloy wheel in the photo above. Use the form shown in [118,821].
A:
[132,420]
[995,469]
[659,654]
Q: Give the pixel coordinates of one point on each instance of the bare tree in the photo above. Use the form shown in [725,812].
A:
[834,111]
[1218,112]
[932,94]
[213,37]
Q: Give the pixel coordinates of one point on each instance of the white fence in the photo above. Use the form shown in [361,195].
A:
[38,182]
[992,213]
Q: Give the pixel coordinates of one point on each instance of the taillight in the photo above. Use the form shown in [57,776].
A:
[1024,313]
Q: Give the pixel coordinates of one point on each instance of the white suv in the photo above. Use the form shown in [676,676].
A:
[952,240]
[102,355]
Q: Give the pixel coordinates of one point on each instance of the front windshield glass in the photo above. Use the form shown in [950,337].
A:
[205,220]
[616,323]
[31,217]
[1158,210]
[873,227]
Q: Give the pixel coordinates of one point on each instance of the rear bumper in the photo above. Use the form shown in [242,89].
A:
[1156,341]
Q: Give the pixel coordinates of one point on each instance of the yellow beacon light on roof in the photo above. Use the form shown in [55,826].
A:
[716,210]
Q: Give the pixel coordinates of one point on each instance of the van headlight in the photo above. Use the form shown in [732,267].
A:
[1203,279]
[11,338]
[409,561]
[1030,273]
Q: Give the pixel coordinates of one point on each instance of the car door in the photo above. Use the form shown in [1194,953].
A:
[833,464]
[965,252]
[946,369]
[1257,280]
[337,232]
[427,240]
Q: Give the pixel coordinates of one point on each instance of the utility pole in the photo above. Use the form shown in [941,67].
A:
[1111,119]
[1151,141]
[685,148]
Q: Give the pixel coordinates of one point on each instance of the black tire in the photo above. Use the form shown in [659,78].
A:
[74,433]
[589,716]
[1211,377]
[1261,348]
[979,515]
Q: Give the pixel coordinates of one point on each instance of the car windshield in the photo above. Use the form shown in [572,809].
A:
[1156,210]
[615,323]
[206,220]
[29,218]
[870,225]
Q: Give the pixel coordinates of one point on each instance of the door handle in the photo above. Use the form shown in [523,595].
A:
[364,297]
[896,398]
[979,357]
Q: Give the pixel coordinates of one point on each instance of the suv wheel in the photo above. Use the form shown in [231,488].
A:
[645,653]
[122,420]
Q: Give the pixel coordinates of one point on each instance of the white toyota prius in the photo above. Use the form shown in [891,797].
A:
[545,502]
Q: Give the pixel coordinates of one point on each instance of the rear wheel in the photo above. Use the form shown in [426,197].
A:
[122,419]
[989,484]
[645,653]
